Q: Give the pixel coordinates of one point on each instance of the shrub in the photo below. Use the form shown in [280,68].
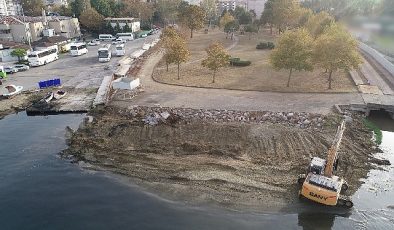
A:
[239,62]
[265,45]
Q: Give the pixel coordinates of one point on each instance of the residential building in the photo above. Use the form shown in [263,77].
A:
[6,47]
[24,29]
[230,5]
[133,23]
[10,7]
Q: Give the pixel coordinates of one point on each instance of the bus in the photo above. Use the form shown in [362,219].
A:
[106,37]
[42,57]
[77,49]
[125,36]
[104,53]
[120,50]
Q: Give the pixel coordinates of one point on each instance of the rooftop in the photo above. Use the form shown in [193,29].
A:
[12,45]
[21,19]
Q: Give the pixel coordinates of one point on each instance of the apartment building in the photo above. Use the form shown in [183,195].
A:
[10,7]
[24,29]
[230,4]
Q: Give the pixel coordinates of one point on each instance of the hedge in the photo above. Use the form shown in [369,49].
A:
[239,62]
[265,45]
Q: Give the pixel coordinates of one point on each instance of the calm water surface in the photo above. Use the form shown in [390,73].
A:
[39,190]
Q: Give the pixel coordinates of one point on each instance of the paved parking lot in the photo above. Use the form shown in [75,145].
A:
[81,72]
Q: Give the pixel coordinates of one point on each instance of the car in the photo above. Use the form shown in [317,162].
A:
[144,35]
[94,42]
[10,70]
[118,41]
[21,67]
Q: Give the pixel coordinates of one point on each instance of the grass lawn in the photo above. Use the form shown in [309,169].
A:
[259,76]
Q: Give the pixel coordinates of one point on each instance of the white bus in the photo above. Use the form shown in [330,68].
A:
[120,50]
[106,37]
[77,49]
[104,53]
[42,57]
[125,36]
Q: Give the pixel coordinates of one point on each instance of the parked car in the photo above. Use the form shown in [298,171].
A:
[21,67]
[10,70]
[144,35]
[118,41]
[94,42]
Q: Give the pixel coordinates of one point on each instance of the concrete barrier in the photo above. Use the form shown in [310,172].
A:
[126,83]
[103,91]
[378,57]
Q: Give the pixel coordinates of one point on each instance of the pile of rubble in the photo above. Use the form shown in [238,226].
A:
[155,115]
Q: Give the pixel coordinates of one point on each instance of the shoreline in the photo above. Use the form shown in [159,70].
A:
[249,160]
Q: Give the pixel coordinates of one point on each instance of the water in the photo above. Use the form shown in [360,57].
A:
[39,190]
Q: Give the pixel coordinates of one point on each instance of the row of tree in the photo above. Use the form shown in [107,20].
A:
[318,42]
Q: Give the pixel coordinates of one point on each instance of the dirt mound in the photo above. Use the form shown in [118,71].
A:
[236,164]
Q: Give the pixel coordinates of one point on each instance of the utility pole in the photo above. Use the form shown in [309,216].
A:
[29,34]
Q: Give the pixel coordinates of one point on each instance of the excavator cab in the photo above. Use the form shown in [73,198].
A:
[317,166]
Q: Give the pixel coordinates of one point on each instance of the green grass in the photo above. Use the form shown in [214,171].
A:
[372,126]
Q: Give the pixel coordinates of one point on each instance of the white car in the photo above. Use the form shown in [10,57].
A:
[94,42]
[10,70]
[21,67]
[119,41]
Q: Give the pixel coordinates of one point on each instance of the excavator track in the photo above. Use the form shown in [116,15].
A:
[345,201]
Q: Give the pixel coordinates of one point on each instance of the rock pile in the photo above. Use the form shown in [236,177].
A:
[302,120]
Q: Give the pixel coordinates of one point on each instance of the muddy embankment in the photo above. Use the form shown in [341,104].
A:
[236,159]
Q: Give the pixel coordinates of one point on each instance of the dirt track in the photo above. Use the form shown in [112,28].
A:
[234,164]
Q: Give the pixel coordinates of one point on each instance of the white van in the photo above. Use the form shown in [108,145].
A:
[106,37]
[120,50]
[125,36]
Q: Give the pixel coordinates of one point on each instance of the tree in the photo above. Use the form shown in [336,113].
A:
[226,18]
[336,49]
[267,17]
[138,9]
[167,36]
[91,19]
[177,52]
[33,7]
[63,10]
[117,28]
[103,7]
[318,23]
[217,58]
[126,28]
[210,9]
[193,17]
[293,52]
[251,28]
[78,6]
[304,15]
[19,53]
[284,13]
[167,10]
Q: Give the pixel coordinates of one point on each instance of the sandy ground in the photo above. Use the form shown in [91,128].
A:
[235,165]
[259,76]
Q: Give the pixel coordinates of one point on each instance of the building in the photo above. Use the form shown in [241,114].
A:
[10,7]
[230,5]
[56,2]
[24,29]
[7,47]
[133,23]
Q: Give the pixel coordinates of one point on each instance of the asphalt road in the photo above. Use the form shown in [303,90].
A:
[81,72]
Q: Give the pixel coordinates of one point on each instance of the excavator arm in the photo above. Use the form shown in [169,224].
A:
[332,154]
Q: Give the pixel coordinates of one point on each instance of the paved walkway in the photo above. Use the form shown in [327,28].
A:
[177,96]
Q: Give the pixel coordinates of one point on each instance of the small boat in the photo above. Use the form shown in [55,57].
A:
[48,97]
[12,90]
[59,94]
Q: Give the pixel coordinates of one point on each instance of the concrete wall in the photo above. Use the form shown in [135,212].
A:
[20,32]
[68,28]
[378,57]
[5,55]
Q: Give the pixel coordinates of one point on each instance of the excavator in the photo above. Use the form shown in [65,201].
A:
[319,184]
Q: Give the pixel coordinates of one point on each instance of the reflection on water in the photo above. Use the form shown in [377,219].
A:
[38,190]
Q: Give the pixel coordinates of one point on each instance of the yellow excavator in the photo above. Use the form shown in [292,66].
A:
[319,184]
